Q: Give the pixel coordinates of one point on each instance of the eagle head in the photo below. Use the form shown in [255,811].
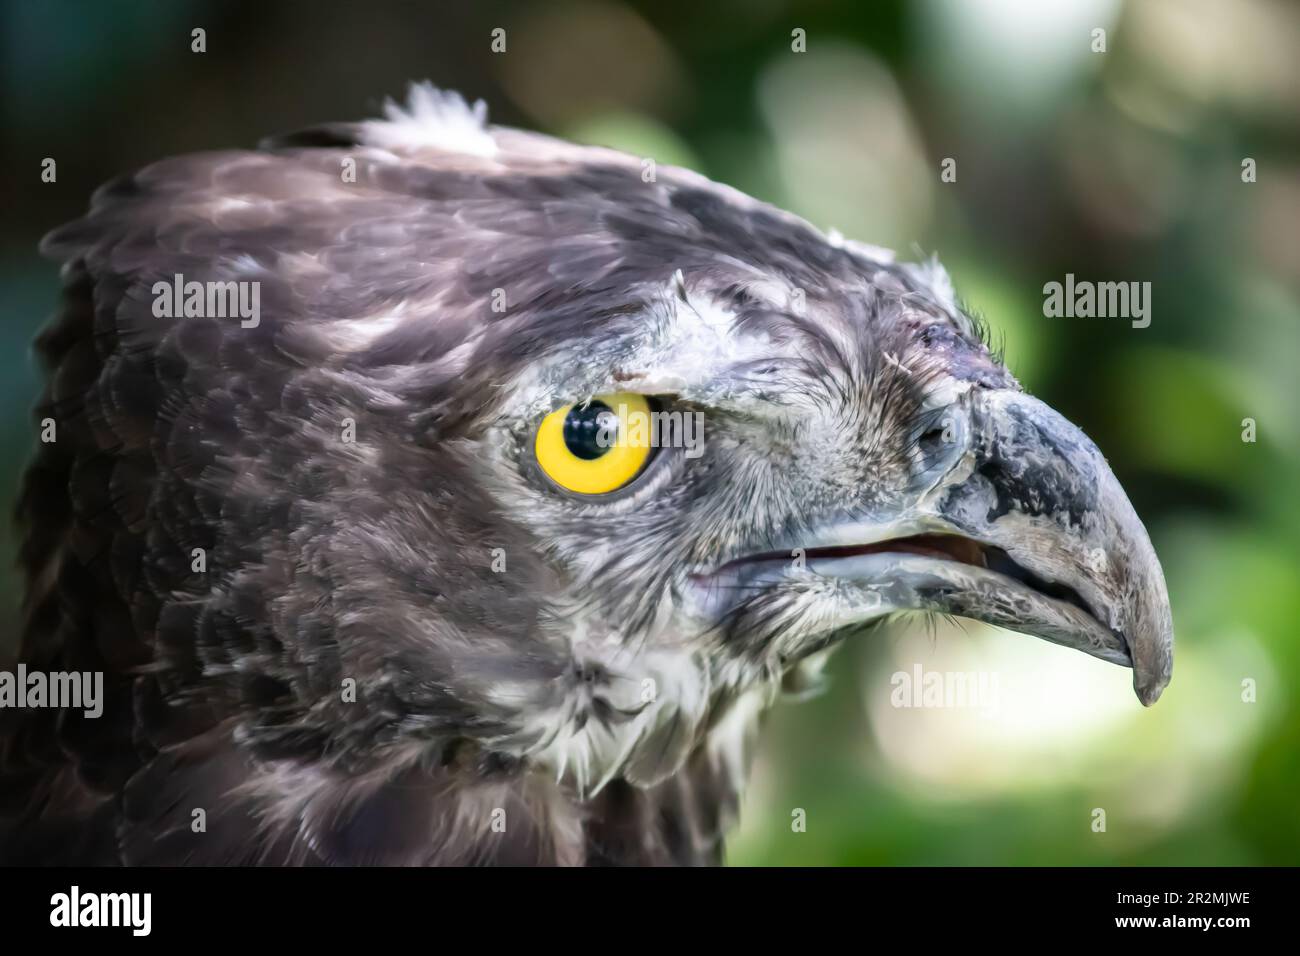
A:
[537,477]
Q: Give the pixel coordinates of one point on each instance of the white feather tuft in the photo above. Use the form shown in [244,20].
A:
[432,118]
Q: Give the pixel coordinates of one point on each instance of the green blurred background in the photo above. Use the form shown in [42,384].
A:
[1117,166]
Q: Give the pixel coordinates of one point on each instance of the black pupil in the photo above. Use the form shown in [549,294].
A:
[582,430]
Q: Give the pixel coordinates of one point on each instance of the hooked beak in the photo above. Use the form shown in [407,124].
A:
[1028,529]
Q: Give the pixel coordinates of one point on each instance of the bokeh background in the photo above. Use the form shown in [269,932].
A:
[1123,165]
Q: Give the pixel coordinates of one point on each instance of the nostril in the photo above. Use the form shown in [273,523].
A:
[932,442]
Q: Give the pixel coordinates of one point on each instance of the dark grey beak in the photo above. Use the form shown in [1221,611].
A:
[1041,499]
[1022,525]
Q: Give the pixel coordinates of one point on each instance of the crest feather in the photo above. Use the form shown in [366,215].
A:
[432,118]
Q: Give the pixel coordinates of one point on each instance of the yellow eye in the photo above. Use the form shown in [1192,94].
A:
[597,447]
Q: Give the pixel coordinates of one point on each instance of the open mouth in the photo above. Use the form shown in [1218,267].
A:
[1074,623]
[949,547]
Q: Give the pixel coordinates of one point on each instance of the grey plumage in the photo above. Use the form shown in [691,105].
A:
[815,362]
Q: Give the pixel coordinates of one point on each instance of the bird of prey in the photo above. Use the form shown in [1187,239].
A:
[382,576]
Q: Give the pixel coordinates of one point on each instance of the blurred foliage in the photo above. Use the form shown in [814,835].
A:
[1122,165]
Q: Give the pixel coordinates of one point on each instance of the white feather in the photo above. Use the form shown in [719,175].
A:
[432,119]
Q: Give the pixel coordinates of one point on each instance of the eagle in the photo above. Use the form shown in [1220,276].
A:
[388,569]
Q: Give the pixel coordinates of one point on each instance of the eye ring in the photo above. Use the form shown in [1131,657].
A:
[596,447]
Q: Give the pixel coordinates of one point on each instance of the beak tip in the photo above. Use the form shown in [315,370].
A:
[1148,694]
[1150,683]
